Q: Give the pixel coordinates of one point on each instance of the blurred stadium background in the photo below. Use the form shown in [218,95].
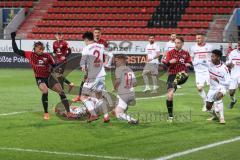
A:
[126,24]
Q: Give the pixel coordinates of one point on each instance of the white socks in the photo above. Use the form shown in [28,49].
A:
[203,95]
[146,82]
[101,103]
[219,108]
[125,117]
[154,79]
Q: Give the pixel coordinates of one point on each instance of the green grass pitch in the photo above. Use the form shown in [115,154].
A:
[148,140]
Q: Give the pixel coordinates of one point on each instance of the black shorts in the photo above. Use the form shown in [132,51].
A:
[60,68]
[170,80]
[49,81]
[176,79]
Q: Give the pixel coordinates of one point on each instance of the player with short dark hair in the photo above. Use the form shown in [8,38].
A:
[151,67]
[170,45]
[62,51]
[178,61]
[219,82]
[201,53]
[97,38]
[41,64]
[94,86]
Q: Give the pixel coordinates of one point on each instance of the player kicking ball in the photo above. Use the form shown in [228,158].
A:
[233,63]
[219,82]
[124,84]
[178,62]
[41,64]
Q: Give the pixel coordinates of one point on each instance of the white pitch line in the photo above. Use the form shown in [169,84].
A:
[179,154]
[12,113]
[162,96]
[65,153]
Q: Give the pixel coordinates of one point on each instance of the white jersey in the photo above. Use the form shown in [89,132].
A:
[169,46]
[152,51]
[234,58]
[127,80]
[92,60]
[201,57]
[221,73]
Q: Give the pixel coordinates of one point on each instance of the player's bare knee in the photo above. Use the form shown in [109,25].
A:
[219,96]
[170,95]
[145,73]
[199,88]
[44,91]
[43,88]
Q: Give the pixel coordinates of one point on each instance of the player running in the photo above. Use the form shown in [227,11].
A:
[94,86]
[233,63]
[219,82]
[178,61]
[124,84]
[201,53]
[151,66]
[62,51]
[41,64]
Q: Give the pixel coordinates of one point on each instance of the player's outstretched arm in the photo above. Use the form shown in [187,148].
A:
[15,47]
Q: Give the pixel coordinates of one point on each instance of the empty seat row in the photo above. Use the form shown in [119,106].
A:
[106,3]
[197,17]
[98,16]
[92,23]
[102,10]
[225,3]
[191,24]
[209,10]
[27,4]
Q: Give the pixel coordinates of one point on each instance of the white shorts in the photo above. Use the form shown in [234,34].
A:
[202,78]
[151,68]
[234,83]
[211,96]
[96,85]
[124,100]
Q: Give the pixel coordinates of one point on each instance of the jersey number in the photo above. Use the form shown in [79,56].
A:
[97,60]
[128,80]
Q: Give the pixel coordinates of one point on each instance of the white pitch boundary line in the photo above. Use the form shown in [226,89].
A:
[179,154]
[15,113]
[162,96]
[12,113]
[65,153]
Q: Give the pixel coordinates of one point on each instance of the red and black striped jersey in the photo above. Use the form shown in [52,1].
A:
[182,57]
[103,42]
[41,64]
[60,48]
